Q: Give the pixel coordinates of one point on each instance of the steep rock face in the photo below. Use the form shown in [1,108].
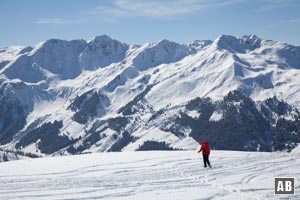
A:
[291,55]
[158,53]
[101,52]
[238,45]
[69,97]
[59,57]
[198,45]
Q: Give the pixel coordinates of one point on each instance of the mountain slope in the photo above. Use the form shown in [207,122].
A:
[149,175]
[69,97]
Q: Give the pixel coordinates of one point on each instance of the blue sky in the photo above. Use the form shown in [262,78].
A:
[139,21]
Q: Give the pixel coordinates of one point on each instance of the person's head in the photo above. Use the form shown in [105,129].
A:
[203,141]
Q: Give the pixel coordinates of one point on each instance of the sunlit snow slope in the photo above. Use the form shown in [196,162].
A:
[150,175]
[71,97]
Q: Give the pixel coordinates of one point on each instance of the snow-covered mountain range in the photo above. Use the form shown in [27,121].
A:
[68,97]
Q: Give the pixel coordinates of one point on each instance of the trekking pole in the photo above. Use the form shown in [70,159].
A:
[199,155]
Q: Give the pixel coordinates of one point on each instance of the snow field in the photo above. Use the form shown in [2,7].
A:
[149,175]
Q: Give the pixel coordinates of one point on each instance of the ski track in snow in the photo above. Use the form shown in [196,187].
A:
[150,175]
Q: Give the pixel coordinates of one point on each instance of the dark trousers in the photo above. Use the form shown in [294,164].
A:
[205,160]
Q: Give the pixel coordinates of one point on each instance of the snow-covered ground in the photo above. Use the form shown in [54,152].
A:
[149,175]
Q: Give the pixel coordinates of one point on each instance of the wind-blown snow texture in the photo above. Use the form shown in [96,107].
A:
[70,97]
[150,175]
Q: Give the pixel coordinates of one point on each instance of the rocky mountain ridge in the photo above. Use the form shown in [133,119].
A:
[68,97]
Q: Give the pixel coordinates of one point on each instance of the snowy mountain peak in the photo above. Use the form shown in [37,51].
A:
[56,45]
[57,56]
[8,54]
[154,54]
[101,39]
[197,45]
[251,36]
[11,50]
[101,52]
[52,41]
[236,44]
[165,42]
[104,95]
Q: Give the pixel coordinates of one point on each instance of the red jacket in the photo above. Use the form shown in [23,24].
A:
[204,148]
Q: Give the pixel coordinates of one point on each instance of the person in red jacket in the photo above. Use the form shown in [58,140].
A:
[205,152]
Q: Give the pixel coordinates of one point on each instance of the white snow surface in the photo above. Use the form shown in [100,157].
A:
[194,114]
[150,175]
[8,53]
[216,116]
[297,149]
